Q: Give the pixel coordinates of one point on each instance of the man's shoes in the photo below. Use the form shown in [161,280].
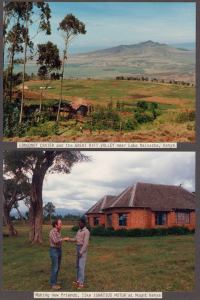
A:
[75,282]
[56,287]
[80,286]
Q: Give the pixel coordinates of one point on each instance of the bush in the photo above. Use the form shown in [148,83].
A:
[138,232]
[144,117]
[185,116]
[129,125]
[102,231]
[178,230]
[11,126]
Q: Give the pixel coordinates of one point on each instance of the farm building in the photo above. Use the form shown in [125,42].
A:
[145,205]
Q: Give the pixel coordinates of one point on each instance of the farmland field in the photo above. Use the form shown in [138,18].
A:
[175,123]
[113,264]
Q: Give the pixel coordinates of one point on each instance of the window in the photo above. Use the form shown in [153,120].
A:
[109,220]
[182,217]
[96,221]
[122,219]
[161,218]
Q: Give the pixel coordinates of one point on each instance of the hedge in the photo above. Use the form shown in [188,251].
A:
[137,232]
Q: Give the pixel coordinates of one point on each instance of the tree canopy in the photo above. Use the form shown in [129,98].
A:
[35,165]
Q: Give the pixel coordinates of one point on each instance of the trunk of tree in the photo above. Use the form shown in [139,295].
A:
[36,208]
[40,109]
[11,64]
[24,67]
[11,71]
[61,81]
[4,24]
[8,221]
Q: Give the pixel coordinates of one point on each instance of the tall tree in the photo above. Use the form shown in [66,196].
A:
[49,60]
[49,209]
[14,189]
[71,27]
[37,164]
[15,42]
[12,35]
[44,25]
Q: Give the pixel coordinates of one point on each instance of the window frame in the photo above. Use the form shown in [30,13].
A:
[96,218]
[187,217]
[165,218]
[126,219]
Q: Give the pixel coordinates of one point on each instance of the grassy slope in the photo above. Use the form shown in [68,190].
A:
[100,91]
[172,99]
[114,264]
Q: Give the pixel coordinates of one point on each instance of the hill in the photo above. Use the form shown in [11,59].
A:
[148,58]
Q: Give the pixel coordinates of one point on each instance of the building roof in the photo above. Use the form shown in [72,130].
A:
[157,197]
[103,203]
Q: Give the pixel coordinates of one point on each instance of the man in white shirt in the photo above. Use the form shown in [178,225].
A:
[81,239]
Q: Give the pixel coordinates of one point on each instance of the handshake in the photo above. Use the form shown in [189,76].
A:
[66,238]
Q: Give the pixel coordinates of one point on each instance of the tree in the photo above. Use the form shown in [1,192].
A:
[15,42]
[49,209]
[14,189]
[71,27]
[12,34]
[36,164]
[44,25]
[49,60]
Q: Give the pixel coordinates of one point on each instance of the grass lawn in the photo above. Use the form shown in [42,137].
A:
[113,264]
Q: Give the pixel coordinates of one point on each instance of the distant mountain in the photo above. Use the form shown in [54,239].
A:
[59,211]
[146,58]
[65,211]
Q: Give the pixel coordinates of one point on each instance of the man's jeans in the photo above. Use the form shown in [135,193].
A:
[80,265]
[55,254]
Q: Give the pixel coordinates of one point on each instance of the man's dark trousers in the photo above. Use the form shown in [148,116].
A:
[55,254]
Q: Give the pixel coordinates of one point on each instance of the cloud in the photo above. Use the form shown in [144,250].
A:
[111,172]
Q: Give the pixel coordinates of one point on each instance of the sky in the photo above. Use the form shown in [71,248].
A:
[111,172]
[112,24]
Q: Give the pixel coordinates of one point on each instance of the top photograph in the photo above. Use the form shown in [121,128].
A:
[99,72]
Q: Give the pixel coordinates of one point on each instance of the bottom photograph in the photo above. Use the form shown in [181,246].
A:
[98,221]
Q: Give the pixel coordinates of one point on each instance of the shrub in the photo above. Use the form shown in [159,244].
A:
[102,231]
[129,125]
[11,126]
[105,119]
[178,230]
[185,116]
[142,105]
[138,232]
[144,117]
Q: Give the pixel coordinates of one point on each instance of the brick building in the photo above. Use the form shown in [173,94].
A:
[145,205]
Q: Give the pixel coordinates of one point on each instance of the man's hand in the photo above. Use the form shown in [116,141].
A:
[79,255]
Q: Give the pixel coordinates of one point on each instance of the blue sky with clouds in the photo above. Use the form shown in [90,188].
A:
[112,24]
[109,173]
